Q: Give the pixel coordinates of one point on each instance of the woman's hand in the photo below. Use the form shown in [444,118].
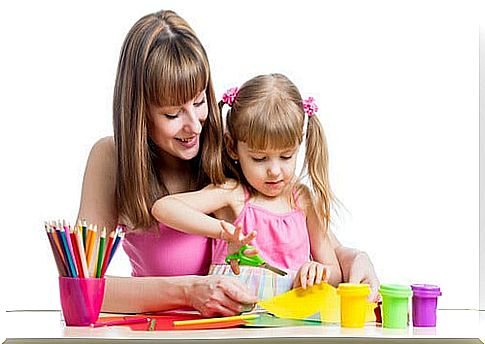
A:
[311,273]
[235,240]
[216,295]
[362,271]
[357,268]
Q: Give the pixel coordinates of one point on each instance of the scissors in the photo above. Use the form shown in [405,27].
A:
[255,260]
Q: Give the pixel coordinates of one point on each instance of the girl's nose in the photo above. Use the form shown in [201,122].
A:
[274,170]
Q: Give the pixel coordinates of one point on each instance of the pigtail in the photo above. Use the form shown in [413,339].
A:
[316,164]
[231,168]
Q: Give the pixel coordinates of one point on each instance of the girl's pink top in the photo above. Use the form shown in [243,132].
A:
[164,251]
[282,239]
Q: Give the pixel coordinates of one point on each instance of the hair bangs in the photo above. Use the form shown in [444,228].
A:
[182,75]
[273,126]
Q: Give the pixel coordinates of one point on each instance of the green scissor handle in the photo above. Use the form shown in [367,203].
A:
[242,259]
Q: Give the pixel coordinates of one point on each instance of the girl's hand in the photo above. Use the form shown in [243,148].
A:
[311,273]
[235,240]
[217,295]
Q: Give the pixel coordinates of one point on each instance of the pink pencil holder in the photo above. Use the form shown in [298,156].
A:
[81,299]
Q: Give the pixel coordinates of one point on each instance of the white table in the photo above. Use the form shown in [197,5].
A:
[454,326]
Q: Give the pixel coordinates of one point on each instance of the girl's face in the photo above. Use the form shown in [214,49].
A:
[268,171]
[176,129]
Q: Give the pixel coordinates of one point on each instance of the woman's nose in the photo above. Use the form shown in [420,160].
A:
[193,122]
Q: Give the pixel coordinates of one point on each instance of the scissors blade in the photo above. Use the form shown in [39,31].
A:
[274,269]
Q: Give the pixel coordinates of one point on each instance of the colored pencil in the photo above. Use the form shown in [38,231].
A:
[119,236]
[56,232]
[82,254]
[67,252]
[76,253]
[67,229]
[214,320]
[79,260]
[128,321]
[102,244]
[107,253]
[61,267]
[94,254]
[92,231]
[84,226]
[55,237]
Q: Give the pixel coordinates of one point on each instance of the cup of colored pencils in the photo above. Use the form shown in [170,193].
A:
[82,255]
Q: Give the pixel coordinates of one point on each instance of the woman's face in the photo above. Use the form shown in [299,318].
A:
[176,129]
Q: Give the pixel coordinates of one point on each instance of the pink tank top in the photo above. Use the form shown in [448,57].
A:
[282,239]
[167,252]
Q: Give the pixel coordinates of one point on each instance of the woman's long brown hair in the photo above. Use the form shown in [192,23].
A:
[162,63]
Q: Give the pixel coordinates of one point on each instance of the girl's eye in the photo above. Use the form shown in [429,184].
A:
[170,116]
[258,159]
[286,157]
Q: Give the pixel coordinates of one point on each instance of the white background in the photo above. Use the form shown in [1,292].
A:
[397,86]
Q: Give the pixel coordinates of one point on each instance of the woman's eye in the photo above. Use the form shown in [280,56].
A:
[202,102]
[171,116]
[258,159]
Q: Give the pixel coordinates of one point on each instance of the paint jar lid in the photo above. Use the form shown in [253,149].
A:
[351,289]
[395,290]
[426,290]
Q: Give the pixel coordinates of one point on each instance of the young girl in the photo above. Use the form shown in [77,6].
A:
[266,125]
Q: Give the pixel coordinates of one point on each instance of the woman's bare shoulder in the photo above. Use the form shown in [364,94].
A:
[98,202]
[103,154]
[105,146]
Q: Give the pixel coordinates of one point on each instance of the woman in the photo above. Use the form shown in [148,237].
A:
[167,139]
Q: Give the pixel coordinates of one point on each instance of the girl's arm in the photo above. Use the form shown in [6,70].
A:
[211,295]
[321,248]
[187,211]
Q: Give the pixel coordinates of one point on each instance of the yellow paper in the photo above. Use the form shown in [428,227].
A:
[301,303]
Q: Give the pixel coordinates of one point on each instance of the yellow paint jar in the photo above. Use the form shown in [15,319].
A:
[353,304]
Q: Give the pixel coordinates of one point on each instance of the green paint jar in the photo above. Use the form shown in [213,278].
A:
[395,305]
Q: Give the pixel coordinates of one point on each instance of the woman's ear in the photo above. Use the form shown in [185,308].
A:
[231,146]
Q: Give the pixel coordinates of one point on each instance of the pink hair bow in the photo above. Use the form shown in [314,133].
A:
[310,106]
[230,96]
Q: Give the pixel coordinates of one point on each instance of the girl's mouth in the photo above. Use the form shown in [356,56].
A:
[275,183]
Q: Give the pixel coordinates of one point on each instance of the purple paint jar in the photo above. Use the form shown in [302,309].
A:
[425,300]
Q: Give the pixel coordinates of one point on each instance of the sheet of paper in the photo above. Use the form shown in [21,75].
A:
[302,303]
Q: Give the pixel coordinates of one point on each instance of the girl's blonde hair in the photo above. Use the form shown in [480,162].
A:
[162,63]
[268,113]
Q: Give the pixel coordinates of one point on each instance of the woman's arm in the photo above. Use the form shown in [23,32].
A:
[211,295]
[98,195]
[356,266]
